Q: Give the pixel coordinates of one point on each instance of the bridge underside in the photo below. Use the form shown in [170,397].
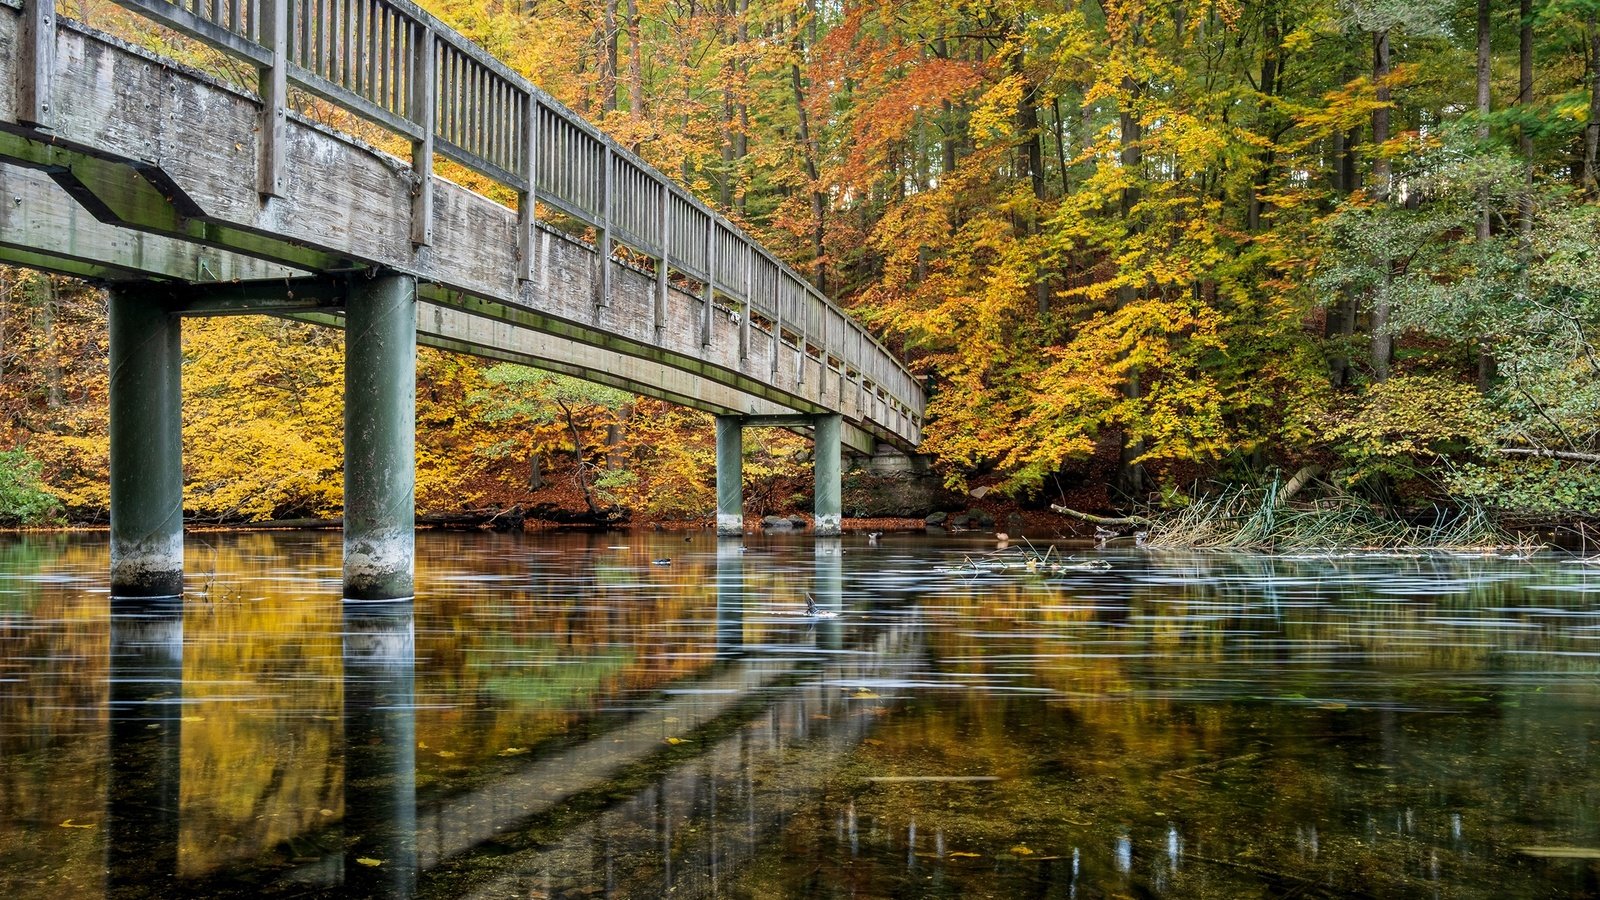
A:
[42,227]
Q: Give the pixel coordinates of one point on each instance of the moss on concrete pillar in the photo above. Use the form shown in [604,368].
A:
[380,401]
[828,432]
[730,475]
[146,448]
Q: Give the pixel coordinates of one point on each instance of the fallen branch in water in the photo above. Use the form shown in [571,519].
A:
[1101,520]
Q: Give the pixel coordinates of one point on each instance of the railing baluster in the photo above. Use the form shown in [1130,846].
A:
[711,279]
[274,93]
[422,110]
[658,315]
[744,320]
[605,226]
[527,202]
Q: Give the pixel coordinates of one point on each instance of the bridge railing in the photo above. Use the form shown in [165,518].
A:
[398,66]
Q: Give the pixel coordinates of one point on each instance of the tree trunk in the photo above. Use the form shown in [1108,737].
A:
[1525,99]
[1484,73]
[535,472]
[741,135]
[1272,41]
[580,467]
[635,65]
[608,71]
[1130,153]
[1061,148]
[1589,181]
[808,153]
[52,360]
[1382,175]
[1031,158]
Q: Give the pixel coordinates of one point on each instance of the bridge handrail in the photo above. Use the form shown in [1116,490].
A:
[397,65]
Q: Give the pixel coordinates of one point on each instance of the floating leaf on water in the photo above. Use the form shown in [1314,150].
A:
[369,861]
[1339,706]
[864,694]
[447,754]
[675,741]
[324,812]
[194,718]
[513,751]
[1020,850]
[422,745]
[962,854]
[71,824]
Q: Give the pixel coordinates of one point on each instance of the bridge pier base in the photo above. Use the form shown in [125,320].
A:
[730,475]
[380,400]
[146,447]
[829,509]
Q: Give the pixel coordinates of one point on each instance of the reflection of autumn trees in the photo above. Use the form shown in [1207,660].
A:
[53,647]
[1325,739]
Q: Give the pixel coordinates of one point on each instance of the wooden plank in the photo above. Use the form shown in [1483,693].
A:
[604,295]
[527,199]
[36,63]
[421,110]
[274,95]
[198,27]
[658,312]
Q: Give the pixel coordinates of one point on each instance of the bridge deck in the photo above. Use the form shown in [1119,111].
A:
[164,161]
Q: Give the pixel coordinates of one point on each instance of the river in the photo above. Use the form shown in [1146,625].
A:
[650,714]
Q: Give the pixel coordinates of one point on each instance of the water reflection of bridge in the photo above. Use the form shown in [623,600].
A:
[777,706]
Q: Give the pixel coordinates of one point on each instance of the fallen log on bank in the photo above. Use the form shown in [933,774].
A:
[1108,521]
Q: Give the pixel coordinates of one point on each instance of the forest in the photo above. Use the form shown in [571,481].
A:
[1142,254]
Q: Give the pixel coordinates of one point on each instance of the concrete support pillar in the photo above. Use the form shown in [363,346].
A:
[146,448]
[380,400]
[828,432]
[730,475]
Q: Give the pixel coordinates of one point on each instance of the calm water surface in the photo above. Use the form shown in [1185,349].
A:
[559,716]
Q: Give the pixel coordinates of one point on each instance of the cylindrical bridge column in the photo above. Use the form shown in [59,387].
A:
[146,448]
[828,436]
[380,400]
[730,475]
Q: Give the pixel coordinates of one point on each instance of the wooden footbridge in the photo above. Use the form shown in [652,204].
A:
[188,195]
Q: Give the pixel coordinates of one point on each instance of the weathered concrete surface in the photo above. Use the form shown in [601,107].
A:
[146,449]
[826,460]
[380,414]
[730,475]
[346,205]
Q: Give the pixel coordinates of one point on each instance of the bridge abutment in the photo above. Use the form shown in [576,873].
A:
[146,447]
[380,399]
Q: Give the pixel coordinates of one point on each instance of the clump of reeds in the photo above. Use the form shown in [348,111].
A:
[1256,518]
